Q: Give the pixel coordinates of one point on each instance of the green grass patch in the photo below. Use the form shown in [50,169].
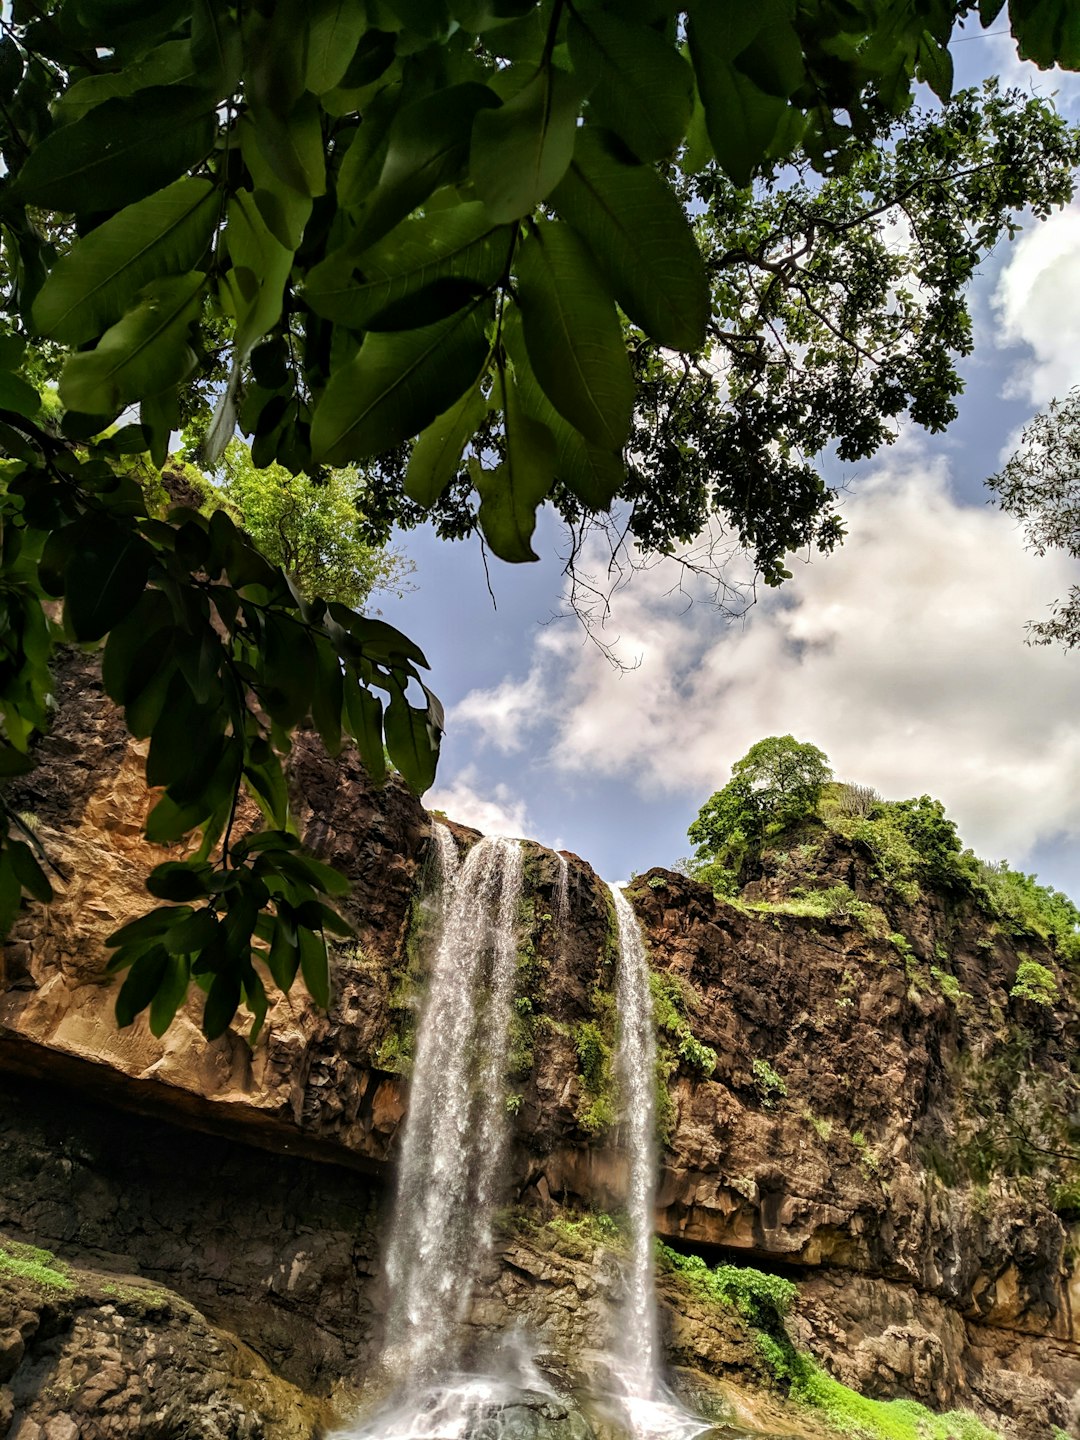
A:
[30,1263]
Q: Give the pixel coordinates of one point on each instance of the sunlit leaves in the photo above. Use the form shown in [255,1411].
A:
[573,335]
[94,283]
[436,455]
[1047,31]
[641,87]
[510,495]
[147,351]
[398,383]
[640,238]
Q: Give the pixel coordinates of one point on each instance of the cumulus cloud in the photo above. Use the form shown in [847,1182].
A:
[1037,302]
[902,656]
[494,810]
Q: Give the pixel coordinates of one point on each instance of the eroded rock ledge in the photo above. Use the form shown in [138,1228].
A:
[917,1277]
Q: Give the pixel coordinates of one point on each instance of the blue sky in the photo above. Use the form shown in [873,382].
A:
[903,656]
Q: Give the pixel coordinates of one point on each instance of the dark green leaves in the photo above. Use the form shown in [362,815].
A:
[520,151]
[145,352]
[573,335]
[640,238]
[510,495]
[120,151]
[397,385]
[94,283]
[1047,31]
[641,87]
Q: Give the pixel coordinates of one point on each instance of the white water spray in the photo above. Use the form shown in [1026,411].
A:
[454,1147]
[651,1411]
[561,903]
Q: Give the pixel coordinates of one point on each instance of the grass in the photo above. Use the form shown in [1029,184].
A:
[30,1263]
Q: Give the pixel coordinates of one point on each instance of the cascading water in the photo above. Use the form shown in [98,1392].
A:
[561,900]
[651,1412]
[454,1146]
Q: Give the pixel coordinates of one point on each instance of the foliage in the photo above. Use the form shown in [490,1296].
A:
[30,1263]
[837,902]
[1040,485]
[761,1299]
[359,224]
[777,783]
[588,1232]
[311,527]
[595,1067]
[949,985]
[771,1086]
[1034,982]
[1028,908]
[671,999]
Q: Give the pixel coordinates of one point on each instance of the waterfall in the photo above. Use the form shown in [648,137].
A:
[561,902]
[453,1152]
[650,1409]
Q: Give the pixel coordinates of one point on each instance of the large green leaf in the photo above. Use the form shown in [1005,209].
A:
[95,282]
[521,151]
[642,87]
[293,145]
[285,211]
[120,151]
[640,238]
[412,744]
[461,244]
[436,456]
[511,494]
[169,64]
[398,383]
[334,31]
[147,351]
[573,335]
[1047,31]
[426,148]
[104,577]
[254,285]
[590,472]
[17,395]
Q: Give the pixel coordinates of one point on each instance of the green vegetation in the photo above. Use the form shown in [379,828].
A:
[596,1110]
[673,998]
[770,1085]
[777,783]
[949,986]
[590,1231]
[764,1301]
[1034,982]
[837,902]
[30,1263]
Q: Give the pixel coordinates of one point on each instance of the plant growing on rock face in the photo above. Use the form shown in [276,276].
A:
[1035,982]
[771,1086]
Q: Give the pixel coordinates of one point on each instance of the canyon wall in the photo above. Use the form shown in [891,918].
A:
[836,1100]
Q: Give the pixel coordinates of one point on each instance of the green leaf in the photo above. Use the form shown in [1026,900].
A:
[216,46]
[352,287]
[221,1003]
[10,893]
[426,148]
[178,880]
[254,285]
[573,335]
[334,31]
[145,352]
[397,385]
[436,456]
[171,994]
[17,395]
[363,718]
[30,874]
[640,239]
[315,967]
[95,282]
[148,927]
[104,577]
[593,474]
[328,697]
[521,151]
[293,145]
[935,66]
[120,151]
[510,494]
[283,960]
[284,210]
[643,89]
[412,742]
[1047,32]
[141,985]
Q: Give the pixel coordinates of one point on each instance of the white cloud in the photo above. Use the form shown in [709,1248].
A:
[1038,304]
[902,656]
[493,810]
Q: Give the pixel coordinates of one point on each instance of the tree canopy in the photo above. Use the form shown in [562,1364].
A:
[1041,486]
[466,227]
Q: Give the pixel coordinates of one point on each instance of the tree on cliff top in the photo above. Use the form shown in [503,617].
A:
[364,221]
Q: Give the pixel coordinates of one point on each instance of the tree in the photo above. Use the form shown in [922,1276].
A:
[777,783]
[1041,486]
[311,528]
[357,223]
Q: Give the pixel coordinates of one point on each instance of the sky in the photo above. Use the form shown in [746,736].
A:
[903,655]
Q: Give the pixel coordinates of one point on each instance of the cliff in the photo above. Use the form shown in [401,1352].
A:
[852,1099]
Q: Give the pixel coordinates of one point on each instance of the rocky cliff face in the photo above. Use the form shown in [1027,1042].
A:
[841,1104]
